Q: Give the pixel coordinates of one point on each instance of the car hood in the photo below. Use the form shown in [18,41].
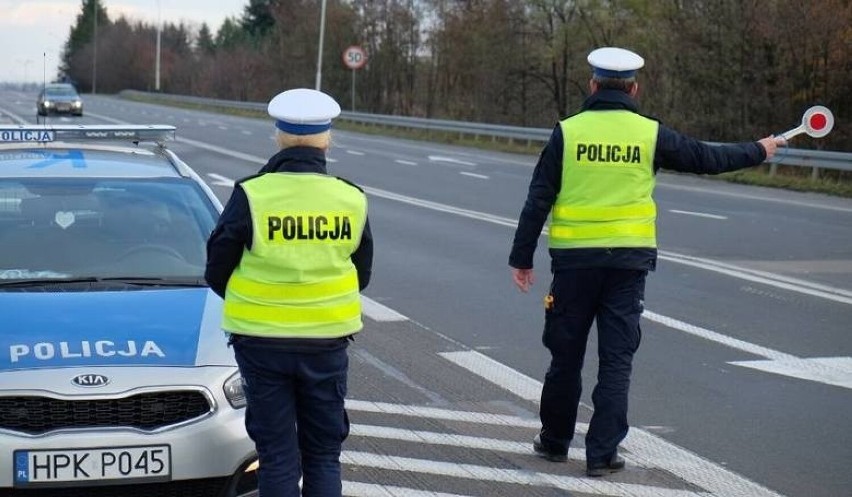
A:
[151,327]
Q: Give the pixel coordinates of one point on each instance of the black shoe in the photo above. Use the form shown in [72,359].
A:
[602,468]
[542,452]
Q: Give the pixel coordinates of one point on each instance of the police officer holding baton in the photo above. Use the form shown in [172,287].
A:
[595,178]
[289,255]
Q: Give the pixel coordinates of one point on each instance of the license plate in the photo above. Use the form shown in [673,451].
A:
[50,467]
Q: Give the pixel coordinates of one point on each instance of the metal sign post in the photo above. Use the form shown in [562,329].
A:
[354,58]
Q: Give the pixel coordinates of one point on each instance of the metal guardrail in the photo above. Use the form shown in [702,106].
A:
[817,159]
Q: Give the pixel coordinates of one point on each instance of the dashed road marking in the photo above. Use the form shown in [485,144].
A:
[698,214]
[473,175]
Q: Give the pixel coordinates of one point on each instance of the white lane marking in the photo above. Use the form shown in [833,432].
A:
[379,312]
[698,214]
[452,160]
[330,160]
[649,449]
[435,206]
[779,281]
[18,119]
[405,162]
[508,475]
[473,175]
[451,440]
[771,279]
[220,180]
[783,201]
[354,152]
[360,489]
[835,371]
[246,132]
[223,128]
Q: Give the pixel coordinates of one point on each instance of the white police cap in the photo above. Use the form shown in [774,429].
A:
[612,62]
[303,111]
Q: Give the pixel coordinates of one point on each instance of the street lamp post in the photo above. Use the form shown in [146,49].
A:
[95,49]
[319,54]
[157,64]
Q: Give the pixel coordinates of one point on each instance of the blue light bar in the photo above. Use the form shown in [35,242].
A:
[33,133]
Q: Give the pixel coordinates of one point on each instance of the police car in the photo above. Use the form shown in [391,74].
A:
[115,376]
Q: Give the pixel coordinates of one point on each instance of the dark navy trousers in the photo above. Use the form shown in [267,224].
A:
[295,416]
[615,299]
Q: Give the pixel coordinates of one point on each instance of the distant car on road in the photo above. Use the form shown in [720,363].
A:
[59,98]
[115,375]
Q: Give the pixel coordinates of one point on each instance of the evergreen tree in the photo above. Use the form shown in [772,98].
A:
[83,33]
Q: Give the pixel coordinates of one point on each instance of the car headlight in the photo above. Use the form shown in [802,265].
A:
[234,391]
[78,103]
[47,103]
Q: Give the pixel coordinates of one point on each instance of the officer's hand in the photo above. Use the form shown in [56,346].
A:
[771,144]
[523,278]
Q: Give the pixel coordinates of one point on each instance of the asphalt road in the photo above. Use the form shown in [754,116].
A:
[749,275]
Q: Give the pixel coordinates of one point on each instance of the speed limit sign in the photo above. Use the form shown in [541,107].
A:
[354,57]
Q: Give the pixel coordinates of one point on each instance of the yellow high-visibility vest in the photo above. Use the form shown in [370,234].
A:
[298,279]
[607,182]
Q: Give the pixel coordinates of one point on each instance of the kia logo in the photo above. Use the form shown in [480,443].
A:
[90,380]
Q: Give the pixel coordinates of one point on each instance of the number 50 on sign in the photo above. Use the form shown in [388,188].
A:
[354,57]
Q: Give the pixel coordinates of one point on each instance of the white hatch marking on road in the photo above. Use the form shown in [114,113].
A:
[361,489]
[473,175]
[443,414]
[698,214]
[509,475]
[220,180]
[648,449]
[354,152]
[835,371]
[405,162]
[452,160]
[451,440]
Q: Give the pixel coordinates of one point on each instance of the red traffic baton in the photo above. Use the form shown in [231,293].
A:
[816,123]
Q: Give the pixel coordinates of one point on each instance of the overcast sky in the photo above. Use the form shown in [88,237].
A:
[33,32]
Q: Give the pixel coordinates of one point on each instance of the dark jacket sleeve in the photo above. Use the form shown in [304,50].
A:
[678,152]
[230,237]
[363,257]
[544,187]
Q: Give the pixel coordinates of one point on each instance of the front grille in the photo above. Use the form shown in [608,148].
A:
[145,411]
[210,487]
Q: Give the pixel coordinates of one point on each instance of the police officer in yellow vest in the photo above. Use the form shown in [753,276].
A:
[595,178]
[289,255]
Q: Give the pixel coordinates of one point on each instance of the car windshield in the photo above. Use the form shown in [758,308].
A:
[60,92]
[103,228]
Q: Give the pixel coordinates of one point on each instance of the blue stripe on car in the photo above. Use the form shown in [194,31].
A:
[130,328]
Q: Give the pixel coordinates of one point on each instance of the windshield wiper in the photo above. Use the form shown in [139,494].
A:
[44,281]
[130,280]
[154,281]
